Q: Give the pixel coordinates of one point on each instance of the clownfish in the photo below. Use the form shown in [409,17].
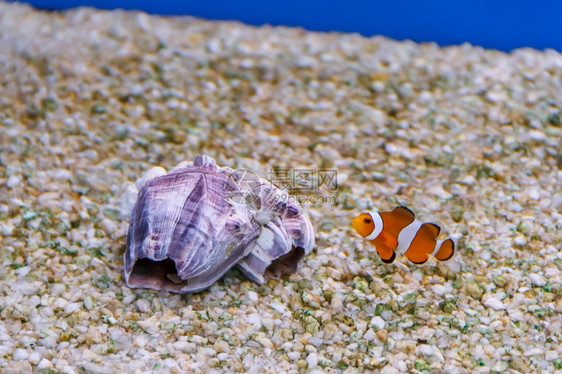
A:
[400,231]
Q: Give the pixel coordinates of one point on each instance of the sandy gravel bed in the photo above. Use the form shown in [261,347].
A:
[466,137]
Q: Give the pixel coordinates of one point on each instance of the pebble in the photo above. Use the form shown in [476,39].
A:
[22,272]
[389,369]
[558,305]
[265,342]
[137,90]
[294,356]
[221,346]
[538,136]
[253,296]
[44,364]
[533,352]
[152,173]
[254,319]
[478,352]
[493,302]
[400,365]
[551,356]
[495,97]
[391,148]
[469,180]
[13,181]
[278,307]
[20,354]
[439,289]
[34,358]
[425,350]
[312,360]
[88,303]
[537,280]
[143,305]
[369,335]
[520,240]
[378,323]
[534,194]
[72,307]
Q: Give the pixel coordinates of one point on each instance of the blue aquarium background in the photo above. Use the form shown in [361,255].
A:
[503,25]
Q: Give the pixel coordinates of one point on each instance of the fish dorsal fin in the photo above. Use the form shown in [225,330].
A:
[402,211]
[395,221]
[431,228]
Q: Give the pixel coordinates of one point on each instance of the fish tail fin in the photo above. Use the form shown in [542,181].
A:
[445,249]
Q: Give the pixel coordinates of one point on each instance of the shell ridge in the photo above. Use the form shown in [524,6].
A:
[181,239]
[224,266]
[150,222]
[205,237]
[177,214]
[159,222]
[301,231]
[220,244]
[205,161]
[142,229]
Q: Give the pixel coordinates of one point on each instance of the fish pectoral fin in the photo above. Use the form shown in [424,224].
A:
[389,241]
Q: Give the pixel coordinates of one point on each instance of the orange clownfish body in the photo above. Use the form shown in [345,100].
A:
[399,230]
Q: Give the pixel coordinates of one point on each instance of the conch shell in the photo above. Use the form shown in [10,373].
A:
[190,226]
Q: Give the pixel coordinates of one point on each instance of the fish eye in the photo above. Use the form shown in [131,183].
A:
[367,221]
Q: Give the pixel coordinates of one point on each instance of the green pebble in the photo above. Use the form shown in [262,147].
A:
[421,366]
[29,215]
[456,213]
[49,104]
[448,307]
[474,290]
[112,214]
[499,281]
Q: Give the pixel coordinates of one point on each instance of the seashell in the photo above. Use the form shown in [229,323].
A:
[283,241]
[190,226]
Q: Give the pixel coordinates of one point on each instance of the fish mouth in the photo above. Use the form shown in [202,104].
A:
[354,223]
[156,275]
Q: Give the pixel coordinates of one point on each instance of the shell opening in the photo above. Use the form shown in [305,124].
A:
[163,274]
[284,265]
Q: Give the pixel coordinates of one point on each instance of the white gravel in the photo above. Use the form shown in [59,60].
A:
[466,137]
